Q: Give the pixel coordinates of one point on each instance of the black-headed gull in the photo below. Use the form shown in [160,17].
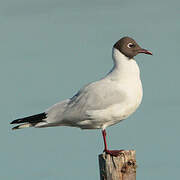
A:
[102,103]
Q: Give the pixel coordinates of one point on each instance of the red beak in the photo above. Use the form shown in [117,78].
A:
[145,51]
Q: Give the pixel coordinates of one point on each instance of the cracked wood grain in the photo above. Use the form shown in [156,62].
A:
[122,167]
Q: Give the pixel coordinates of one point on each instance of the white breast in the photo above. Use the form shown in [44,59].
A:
[126,73]
[127,76]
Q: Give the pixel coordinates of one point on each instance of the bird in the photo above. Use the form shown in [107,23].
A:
[102,103]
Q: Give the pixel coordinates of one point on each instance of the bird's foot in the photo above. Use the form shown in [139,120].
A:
[114,152]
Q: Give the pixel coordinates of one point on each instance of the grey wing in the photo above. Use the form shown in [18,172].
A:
[94,96]
[55,113]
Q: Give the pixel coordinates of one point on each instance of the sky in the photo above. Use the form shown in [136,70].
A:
[50,49]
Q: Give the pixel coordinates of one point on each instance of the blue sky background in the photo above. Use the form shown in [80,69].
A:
[50,49]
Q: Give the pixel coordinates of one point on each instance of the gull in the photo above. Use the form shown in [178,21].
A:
[102,103]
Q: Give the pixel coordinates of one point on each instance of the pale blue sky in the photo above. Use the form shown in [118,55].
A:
[50,49]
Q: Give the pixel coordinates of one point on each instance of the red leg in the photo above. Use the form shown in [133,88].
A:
[111,152]
[104,138]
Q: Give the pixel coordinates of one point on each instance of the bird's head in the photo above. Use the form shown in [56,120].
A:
[129,47]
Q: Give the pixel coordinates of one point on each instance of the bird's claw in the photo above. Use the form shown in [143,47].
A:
[114,152]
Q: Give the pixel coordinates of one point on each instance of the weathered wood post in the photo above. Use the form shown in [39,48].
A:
[122,167]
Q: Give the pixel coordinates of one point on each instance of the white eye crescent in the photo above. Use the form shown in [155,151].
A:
[130,45]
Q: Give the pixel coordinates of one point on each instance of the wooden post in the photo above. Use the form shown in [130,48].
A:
[122,167]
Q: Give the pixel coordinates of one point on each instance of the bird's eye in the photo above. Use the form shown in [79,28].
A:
[130,45]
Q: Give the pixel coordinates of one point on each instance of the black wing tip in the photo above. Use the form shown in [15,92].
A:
[15,121]
[16,127]
[30,119]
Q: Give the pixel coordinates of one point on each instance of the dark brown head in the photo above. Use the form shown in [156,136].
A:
[129,47]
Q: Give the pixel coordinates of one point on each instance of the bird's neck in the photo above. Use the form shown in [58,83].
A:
[123,65]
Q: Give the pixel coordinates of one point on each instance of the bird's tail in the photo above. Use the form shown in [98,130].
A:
[29,121]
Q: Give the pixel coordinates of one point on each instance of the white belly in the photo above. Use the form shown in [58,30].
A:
[122,111]
[116,112]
